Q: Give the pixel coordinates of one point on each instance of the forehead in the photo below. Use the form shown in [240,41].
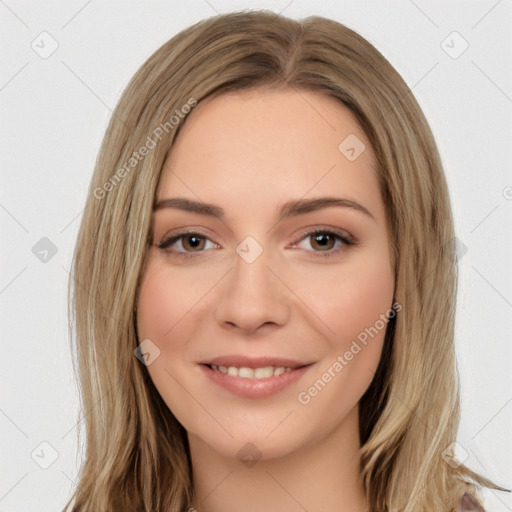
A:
[267,146]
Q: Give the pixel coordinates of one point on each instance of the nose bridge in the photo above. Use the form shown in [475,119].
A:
[251,265]
[251,277]
[253,296]
[251,269]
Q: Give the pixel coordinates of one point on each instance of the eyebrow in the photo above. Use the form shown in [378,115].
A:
[287,210]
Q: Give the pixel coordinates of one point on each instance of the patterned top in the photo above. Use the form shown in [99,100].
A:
[468,503]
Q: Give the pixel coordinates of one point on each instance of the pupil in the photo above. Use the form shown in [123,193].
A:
[194,241]
[320,237]
[322,240]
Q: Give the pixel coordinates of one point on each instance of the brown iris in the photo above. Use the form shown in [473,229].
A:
[197,242]
[324,241]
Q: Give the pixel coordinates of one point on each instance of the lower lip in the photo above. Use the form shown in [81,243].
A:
[254,388]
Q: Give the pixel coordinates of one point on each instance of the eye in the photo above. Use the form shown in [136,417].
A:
[325,242]
[188,242]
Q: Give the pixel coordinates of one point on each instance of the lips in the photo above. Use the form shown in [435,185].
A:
[250,377]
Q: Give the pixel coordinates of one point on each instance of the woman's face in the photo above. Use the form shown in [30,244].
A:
[266,321]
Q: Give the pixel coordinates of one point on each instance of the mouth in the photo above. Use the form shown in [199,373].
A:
[254,378]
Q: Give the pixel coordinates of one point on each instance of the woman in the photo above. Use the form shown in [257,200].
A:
[269,231]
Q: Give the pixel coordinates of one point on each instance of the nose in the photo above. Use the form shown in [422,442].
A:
[252,297]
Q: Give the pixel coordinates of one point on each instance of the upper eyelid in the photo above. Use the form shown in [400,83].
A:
[167,239]
[181,234]
[339,232]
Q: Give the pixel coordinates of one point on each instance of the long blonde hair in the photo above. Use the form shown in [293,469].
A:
[136,451]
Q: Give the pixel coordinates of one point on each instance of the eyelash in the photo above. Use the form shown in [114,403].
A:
[347,240]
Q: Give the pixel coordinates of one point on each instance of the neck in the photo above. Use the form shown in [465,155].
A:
[324,475]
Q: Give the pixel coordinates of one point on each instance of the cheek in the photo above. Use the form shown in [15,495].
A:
[163,313]
[352,298]
[355,306]
[152,312]
[163,316]
[167,301]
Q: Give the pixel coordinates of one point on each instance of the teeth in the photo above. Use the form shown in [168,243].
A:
[252,373]
[263,373]
[278,371]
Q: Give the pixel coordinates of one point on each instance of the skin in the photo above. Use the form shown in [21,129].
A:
[249,152]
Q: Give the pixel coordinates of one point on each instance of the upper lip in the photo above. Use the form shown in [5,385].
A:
[255,362]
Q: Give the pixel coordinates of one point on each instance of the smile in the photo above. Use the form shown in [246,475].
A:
[259,382]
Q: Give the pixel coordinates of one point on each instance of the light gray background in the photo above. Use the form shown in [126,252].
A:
[53,115]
